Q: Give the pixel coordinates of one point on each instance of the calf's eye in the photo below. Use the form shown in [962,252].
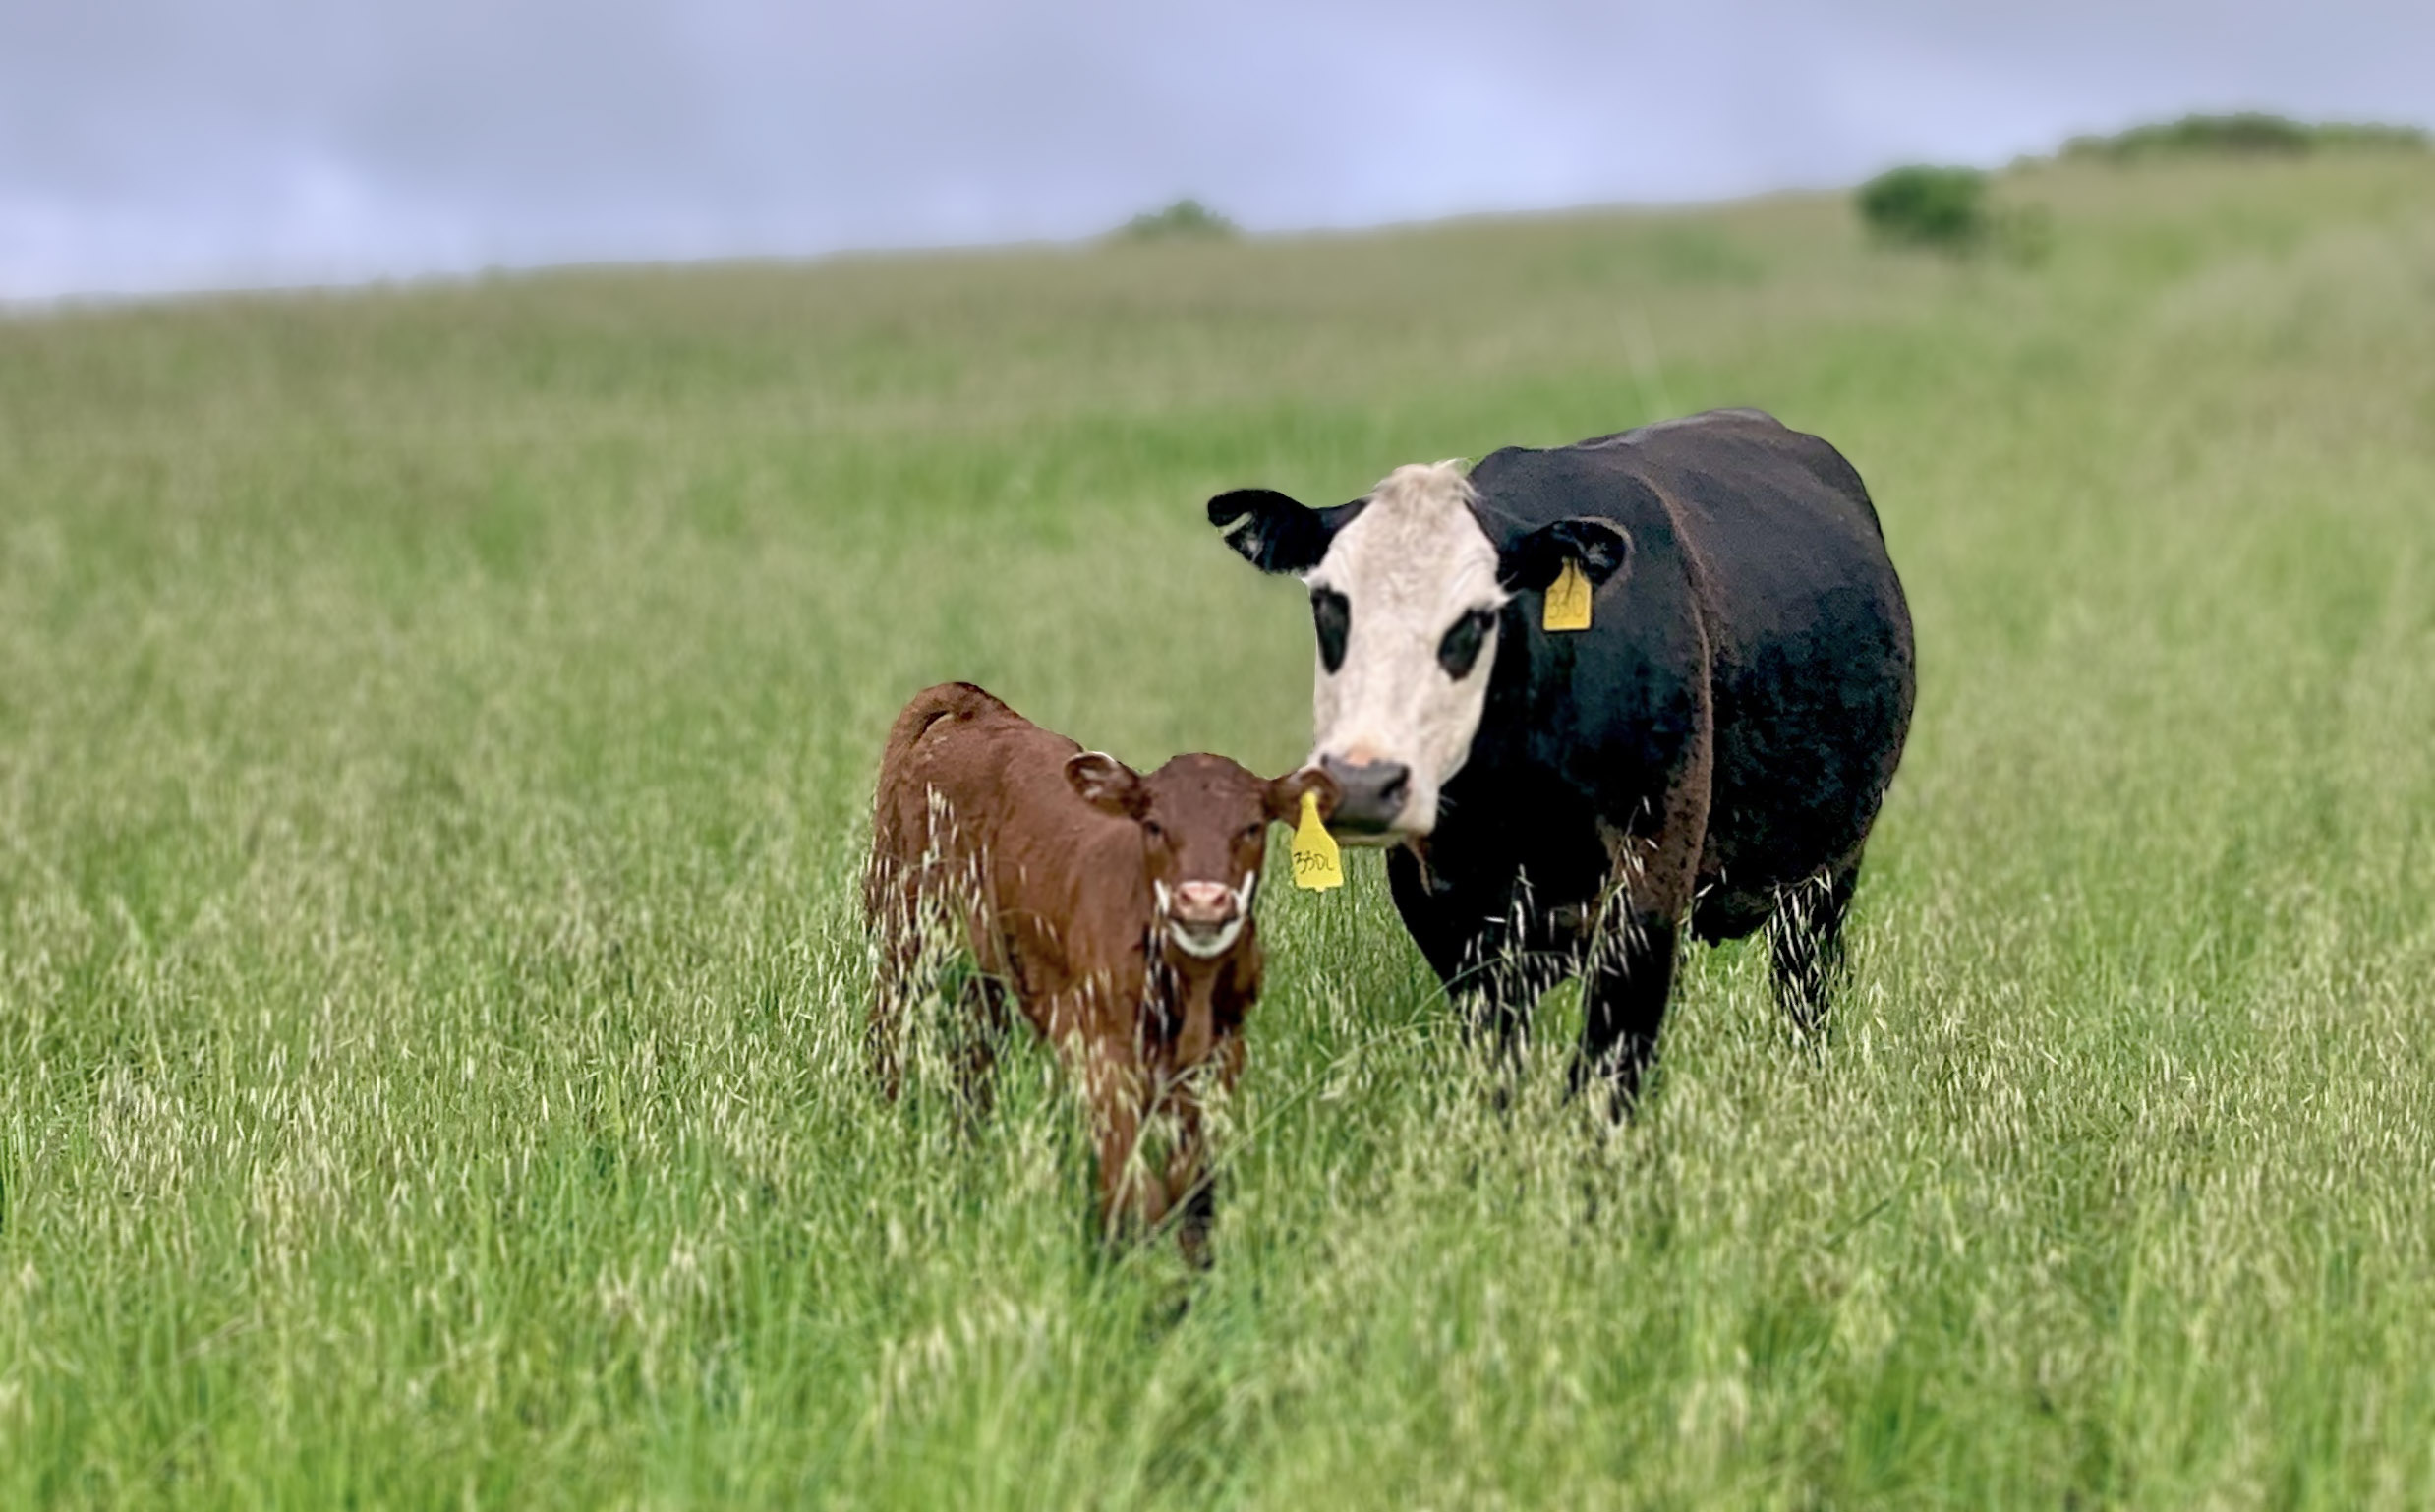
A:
[1459,649]
[1332,613]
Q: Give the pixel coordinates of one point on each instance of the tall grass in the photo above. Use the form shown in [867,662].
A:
[436,728]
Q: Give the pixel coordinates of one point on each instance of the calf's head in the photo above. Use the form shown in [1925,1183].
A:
[1407,595]
[1204,830]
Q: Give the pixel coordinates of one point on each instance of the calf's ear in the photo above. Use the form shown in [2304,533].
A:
[1600,546]
[1107,785]
[1277,534]
[1285,794]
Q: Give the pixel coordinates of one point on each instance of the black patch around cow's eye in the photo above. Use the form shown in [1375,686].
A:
[1459,649]
[1332,613]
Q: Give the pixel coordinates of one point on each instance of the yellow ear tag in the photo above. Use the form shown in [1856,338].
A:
[1317,864]
[1568,600]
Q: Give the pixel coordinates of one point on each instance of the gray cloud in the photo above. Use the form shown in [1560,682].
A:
[159,144]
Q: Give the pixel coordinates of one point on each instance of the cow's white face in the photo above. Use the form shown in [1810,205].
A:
[1406,591]
[1405,605]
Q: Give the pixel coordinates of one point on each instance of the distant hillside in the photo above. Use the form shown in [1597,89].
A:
[2245,134]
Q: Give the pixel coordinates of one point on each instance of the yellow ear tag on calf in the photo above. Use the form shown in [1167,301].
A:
[1317,864]
[1568,600]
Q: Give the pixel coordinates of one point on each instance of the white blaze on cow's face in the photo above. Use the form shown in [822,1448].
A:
[1405,603]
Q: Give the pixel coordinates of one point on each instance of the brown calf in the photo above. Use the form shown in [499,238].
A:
[1115,908]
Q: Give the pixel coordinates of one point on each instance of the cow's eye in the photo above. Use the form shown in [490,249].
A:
[1332,613]
[1153,829]
[1459,649]
[1254,830]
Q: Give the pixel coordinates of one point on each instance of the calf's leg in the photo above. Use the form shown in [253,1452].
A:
[1113,1087]
[893,916]
[1191,1187]
[982,1022]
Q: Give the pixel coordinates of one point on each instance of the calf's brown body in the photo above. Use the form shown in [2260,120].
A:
[1113,908]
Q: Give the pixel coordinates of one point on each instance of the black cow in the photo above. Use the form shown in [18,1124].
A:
[1712,749]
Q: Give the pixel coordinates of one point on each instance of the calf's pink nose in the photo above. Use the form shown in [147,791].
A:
[1204,903]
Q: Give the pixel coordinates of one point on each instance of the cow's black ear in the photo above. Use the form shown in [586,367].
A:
[1275,532]
[1600,546]
[1107,785]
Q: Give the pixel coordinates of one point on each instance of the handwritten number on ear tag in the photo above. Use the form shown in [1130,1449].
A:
[1317,864]
[1568,600]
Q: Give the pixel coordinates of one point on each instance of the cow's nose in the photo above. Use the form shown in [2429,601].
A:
[1203,903]
[1370,793]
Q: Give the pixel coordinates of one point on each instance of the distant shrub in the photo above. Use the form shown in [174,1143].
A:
[1942,207]
[2244,133]
[1183,220]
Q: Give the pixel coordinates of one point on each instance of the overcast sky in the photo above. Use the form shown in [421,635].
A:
[150,145]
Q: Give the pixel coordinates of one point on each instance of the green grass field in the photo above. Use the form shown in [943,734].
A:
[436,734]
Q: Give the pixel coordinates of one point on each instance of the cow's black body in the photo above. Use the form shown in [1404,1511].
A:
[1712,749]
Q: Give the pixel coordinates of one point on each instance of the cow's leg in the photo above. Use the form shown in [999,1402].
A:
[1495,957]
[1623,1004]
[1515,968]
[1428,915]
[1635,943]
[1804,936]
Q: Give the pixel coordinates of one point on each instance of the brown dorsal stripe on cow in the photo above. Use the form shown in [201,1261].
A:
[1114,909]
